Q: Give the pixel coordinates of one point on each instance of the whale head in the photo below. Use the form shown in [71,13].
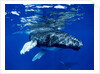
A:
[58,39]
[70,42]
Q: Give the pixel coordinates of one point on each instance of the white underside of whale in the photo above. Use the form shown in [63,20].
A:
[29,45]
[50,48]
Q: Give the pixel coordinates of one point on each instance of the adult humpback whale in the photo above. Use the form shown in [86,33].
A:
[51,40]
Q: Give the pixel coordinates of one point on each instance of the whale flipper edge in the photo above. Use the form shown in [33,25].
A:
[39,55]
[27,46]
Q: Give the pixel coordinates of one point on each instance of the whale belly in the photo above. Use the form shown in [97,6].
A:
[50,48]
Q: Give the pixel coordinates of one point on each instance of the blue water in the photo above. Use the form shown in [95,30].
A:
[67,59]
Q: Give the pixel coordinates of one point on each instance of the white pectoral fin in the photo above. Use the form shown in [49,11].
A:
[39,55]
[27,46]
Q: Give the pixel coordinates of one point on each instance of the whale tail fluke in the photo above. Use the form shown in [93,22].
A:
[39,55]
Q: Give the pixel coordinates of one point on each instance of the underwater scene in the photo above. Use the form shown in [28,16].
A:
[49,36]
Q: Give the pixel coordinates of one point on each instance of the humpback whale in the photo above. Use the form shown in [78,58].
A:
[51,40]
[45,31]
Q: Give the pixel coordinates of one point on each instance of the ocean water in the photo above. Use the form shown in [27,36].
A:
[80,26]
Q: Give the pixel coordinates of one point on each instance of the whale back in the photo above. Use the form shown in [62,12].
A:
[56,39]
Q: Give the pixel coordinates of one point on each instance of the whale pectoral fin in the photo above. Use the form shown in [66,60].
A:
[39,55]
[27,46]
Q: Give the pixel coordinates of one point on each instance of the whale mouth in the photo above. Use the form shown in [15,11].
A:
[76,46]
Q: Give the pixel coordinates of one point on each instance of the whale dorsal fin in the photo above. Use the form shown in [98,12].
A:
[39,55]
[27,46]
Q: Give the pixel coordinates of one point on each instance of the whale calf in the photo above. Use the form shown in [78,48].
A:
[51,40]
